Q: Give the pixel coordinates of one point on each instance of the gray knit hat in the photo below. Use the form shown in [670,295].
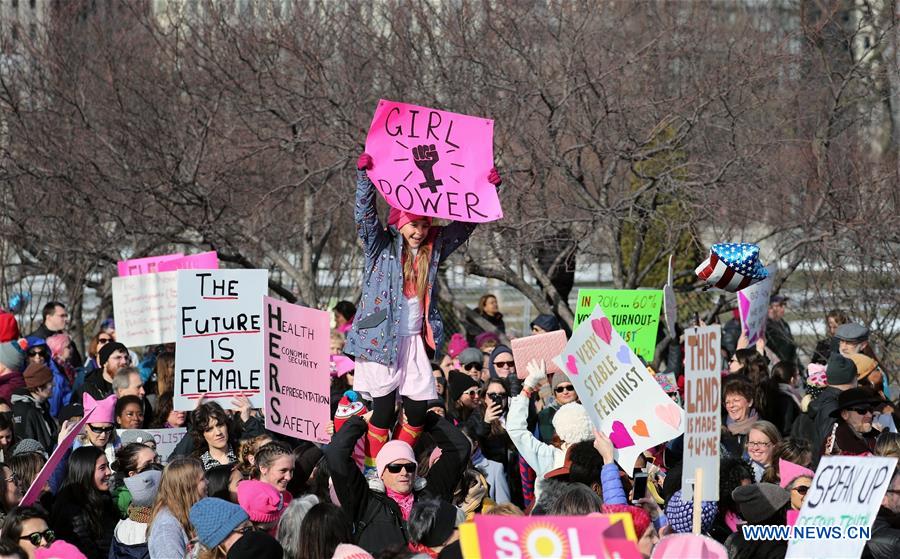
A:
[27,446]
[559,378]
[144,487]
[12,356]
[129,436]
[759,501]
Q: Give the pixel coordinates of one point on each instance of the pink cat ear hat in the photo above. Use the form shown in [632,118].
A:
[104,410]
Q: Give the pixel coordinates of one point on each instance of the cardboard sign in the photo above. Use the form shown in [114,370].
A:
[202,261]
[670,305]
[535,537]
[166,440]
[634,314]
[619,394]
[538,347]
[298,370]
[145,308]
[148,265]
[432,162]
[34,491]
[702,391]
[753,305]
[846,491]
[219,336]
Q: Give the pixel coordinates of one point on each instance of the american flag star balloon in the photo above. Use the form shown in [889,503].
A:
[732,266]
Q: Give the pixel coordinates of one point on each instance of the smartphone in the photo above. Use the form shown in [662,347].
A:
[640,486]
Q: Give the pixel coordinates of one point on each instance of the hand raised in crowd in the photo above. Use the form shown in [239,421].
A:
[494,177]
[604,446]
[64,430]
[743,341]
[761,346]
[365,163]
[649,504]
[537,372]
[242,403]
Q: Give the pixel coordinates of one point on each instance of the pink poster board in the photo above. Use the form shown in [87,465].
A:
[433,162]
[297,370]
[537,347]
[34,492]
[543,537]
[202,261]
[149,265]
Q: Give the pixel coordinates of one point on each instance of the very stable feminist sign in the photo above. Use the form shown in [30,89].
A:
[432,162]
[219,336]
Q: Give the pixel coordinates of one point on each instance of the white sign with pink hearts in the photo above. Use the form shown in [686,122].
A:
[620,394]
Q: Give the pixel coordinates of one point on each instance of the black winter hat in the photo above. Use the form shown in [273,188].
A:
[254,545]
[759,501]
[547,322]
[459,383]
[107,350]
[839,369]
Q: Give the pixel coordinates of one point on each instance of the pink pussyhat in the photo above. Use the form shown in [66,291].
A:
[104,410]
[59,550]
[790,471]
[341,365]
[391,452]
[399,218]
[815,375]
[689,545]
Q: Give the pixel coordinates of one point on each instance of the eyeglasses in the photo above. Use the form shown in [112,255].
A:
[504,364]
[100,430]
[101,341]
[410,468]
[471,366]
[757,444]
[862,411]
[802,489]
[564,388]
[471,393]
[36,537]
[244,530]
[36,352]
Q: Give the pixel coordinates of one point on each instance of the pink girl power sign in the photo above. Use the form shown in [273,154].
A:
[432,162]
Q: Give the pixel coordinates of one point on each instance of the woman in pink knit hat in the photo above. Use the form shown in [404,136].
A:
[101,428]
[396,317]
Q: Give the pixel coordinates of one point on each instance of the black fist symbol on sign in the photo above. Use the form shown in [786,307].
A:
[425,157]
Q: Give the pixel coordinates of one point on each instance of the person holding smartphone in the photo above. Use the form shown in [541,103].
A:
[489,426]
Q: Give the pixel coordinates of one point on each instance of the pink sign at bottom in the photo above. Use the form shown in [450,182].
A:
[297,370]
[37,486]
[541,537]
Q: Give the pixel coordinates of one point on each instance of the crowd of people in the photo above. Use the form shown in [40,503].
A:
[428,431]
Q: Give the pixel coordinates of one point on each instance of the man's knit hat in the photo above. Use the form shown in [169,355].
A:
[840,370]
[214,519]
[27,446]
[255,545]
[37,375]
[262,502]
[144,487]
[759,501]
[12,356]
[456,346]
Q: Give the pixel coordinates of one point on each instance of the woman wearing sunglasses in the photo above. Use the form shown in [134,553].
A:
[100,431]
[563,393]
[796,479]
[83,512]
[380,507]
[27,528]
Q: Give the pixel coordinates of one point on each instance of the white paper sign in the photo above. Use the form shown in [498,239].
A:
[145,307]
[702,391]
[620,395]
[753,304]
[846,491]
[166,440]
[219,337]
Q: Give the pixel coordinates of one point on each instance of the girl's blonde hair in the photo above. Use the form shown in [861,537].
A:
[178,491]
[415,270]
[888,444]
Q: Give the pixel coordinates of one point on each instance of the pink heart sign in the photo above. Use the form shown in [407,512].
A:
[572,365]
[619,435]
[602,328]
[670,414]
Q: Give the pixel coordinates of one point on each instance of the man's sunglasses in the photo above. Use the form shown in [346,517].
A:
[504,364]
[471,366]
[408,466]
[101,430]
[564,388]
[862,411]
[35,537]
